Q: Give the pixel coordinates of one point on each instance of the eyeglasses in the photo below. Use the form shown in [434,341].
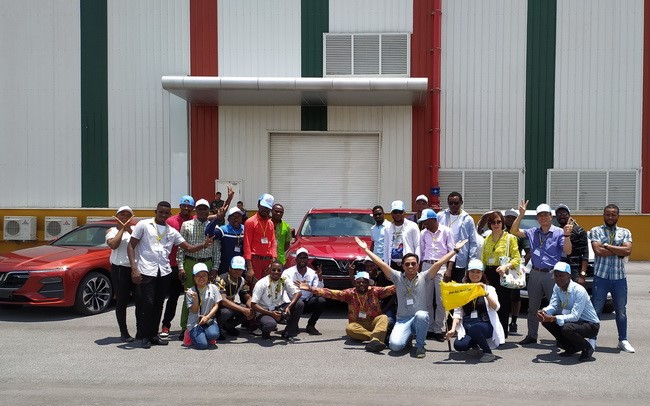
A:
[497,222]
[410,264]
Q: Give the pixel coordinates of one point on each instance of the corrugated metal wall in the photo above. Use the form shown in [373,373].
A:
[598,88]
[259,38]
[40,104]
[394,125]
[147,151]
[244,145]
[483,84]
[371,16]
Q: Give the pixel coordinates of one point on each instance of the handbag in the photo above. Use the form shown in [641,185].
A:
[515,278]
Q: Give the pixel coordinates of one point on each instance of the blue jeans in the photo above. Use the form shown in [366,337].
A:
[476,334]
[200,335]
[618,289]
[405,327]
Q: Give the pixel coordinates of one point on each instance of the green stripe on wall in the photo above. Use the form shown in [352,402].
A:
[314,21]
[540,96]
[94,104]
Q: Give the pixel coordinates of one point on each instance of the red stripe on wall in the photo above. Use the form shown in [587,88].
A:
[645,125]
[204,120]
[425,62]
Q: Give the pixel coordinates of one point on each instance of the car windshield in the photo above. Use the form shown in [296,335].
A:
[87,236]
[337,225]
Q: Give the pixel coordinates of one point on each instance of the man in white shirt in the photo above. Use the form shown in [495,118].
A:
[400,238]
[148,251]
[462,224]
[269,303]
[301,273]
[377,230]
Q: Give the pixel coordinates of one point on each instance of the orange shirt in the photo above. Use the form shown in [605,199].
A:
[259,238]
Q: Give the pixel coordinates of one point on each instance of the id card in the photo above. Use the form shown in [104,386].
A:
[566,311]
[237,249]
[409,302]
[537,253]
[491,261]
[362,315]
[264,240]
[474,315]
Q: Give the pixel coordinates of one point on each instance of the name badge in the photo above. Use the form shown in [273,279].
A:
[362,315]
[237,249]
[491,261]
[409,302]
[264,240]
[566,311]
[537,253]
[474,315]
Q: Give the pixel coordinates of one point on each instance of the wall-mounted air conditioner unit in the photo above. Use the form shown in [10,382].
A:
[55,227]
[19,228]
[90,219]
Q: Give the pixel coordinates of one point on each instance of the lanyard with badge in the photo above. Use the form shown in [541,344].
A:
[158,247]
[362,305]
[410,287]
[264,240]
[565,303]
[537,251]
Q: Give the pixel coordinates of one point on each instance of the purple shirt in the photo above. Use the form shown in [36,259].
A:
[435,245]
[546,248]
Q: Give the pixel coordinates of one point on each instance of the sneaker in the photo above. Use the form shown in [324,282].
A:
[187,340]
[487,357]
[569,352]
[164,333]
[290,339]
[146,344]
[312,331]
[158,341]
[474,352]
[126,338]
[592,342]
[436,336]
[375,346]
[212,342]
[528,340]
[420,352]
[512,327]
[257,332]
[266,335]
[625,346]
[586,355]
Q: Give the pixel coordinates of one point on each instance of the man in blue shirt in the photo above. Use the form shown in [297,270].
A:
[462,224]
[570,316]
[377,230]
[231,236]
[547,243]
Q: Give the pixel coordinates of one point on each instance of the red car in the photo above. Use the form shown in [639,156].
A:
[328,235]
[70,271]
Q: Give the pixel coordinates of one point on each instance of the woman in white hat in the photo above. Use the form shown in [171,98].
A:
[203,302]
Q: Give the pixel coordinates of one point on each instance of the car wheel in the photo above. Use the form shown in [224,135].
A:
[94,294]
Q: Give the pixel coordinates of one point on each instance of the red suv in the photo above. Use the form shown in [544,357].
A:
[328,235]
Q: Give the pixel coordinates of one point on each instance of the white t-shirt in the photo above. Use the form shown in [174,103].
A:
[119,255]
[156,242]
[309,277]
[270,295]
[210,296]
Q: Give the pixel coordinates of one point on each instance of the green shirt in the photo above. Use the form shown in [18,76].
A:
[283,239]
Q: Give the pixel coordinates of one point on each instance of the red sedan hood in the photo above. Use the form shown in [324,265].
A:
[48,256]
[331,247]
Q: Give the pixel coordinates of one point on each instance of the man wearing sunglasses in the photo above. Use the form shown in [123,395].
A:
[462,225]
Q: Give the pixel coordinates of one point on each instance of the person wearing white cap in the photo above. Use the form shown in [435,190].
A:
[435,241]
[260,247]
[477,322]
[411,289]
[194,233]
[202,301]
[401,237]
[365,319]
[236,294]
[230,235]
[612,246]
[117,239]
[579,257]
[301,273]
[570,317]
[547,242]
[421,203]
[462,224]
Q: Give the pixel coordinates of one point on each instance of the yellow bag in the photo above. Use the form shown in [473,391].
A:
[456,294]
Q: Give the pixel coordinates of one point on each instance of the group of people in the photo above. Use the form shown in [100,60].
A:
[231,277]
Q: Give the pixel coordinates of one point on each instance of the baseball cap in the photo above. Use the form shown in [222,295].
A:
[562,267]
[238,262]
[199,267]
[543,208]
[428,214]
[302,250]
[422,197]
[563,206]
[232,211]
[476,264]
[511,212]
[124,208]
[266,200]
[362,275]
[188,200]
[202,202]
[397,205]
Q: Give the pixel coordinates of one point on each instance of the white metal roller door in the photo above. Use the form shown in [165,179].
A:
[323,170]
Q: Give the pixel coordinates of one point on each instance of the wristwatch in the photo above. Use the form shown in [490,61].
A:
[583,273]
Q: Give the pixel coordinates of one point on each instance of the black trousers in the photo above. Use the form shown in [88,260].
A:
[268,323]
[457,274]
[151,293]
[314,305]
[123,287]
[573,335]
[175,290]
[504,295]
[228,318]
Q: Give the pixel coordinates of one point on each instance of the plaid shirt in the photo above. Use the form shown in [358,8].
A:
[369,303]
[194,233]
[613,266]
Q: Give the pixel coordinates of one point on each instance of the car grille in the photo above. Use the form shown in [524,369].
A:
[331,267]
[13,280]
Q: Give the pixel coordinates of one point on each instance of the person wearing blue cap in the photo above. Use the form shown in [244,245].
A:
[570,316]
[260,246]
[236,304]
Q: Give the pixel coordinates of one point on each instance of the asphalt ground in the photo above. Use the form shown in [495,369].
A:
[55,357]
